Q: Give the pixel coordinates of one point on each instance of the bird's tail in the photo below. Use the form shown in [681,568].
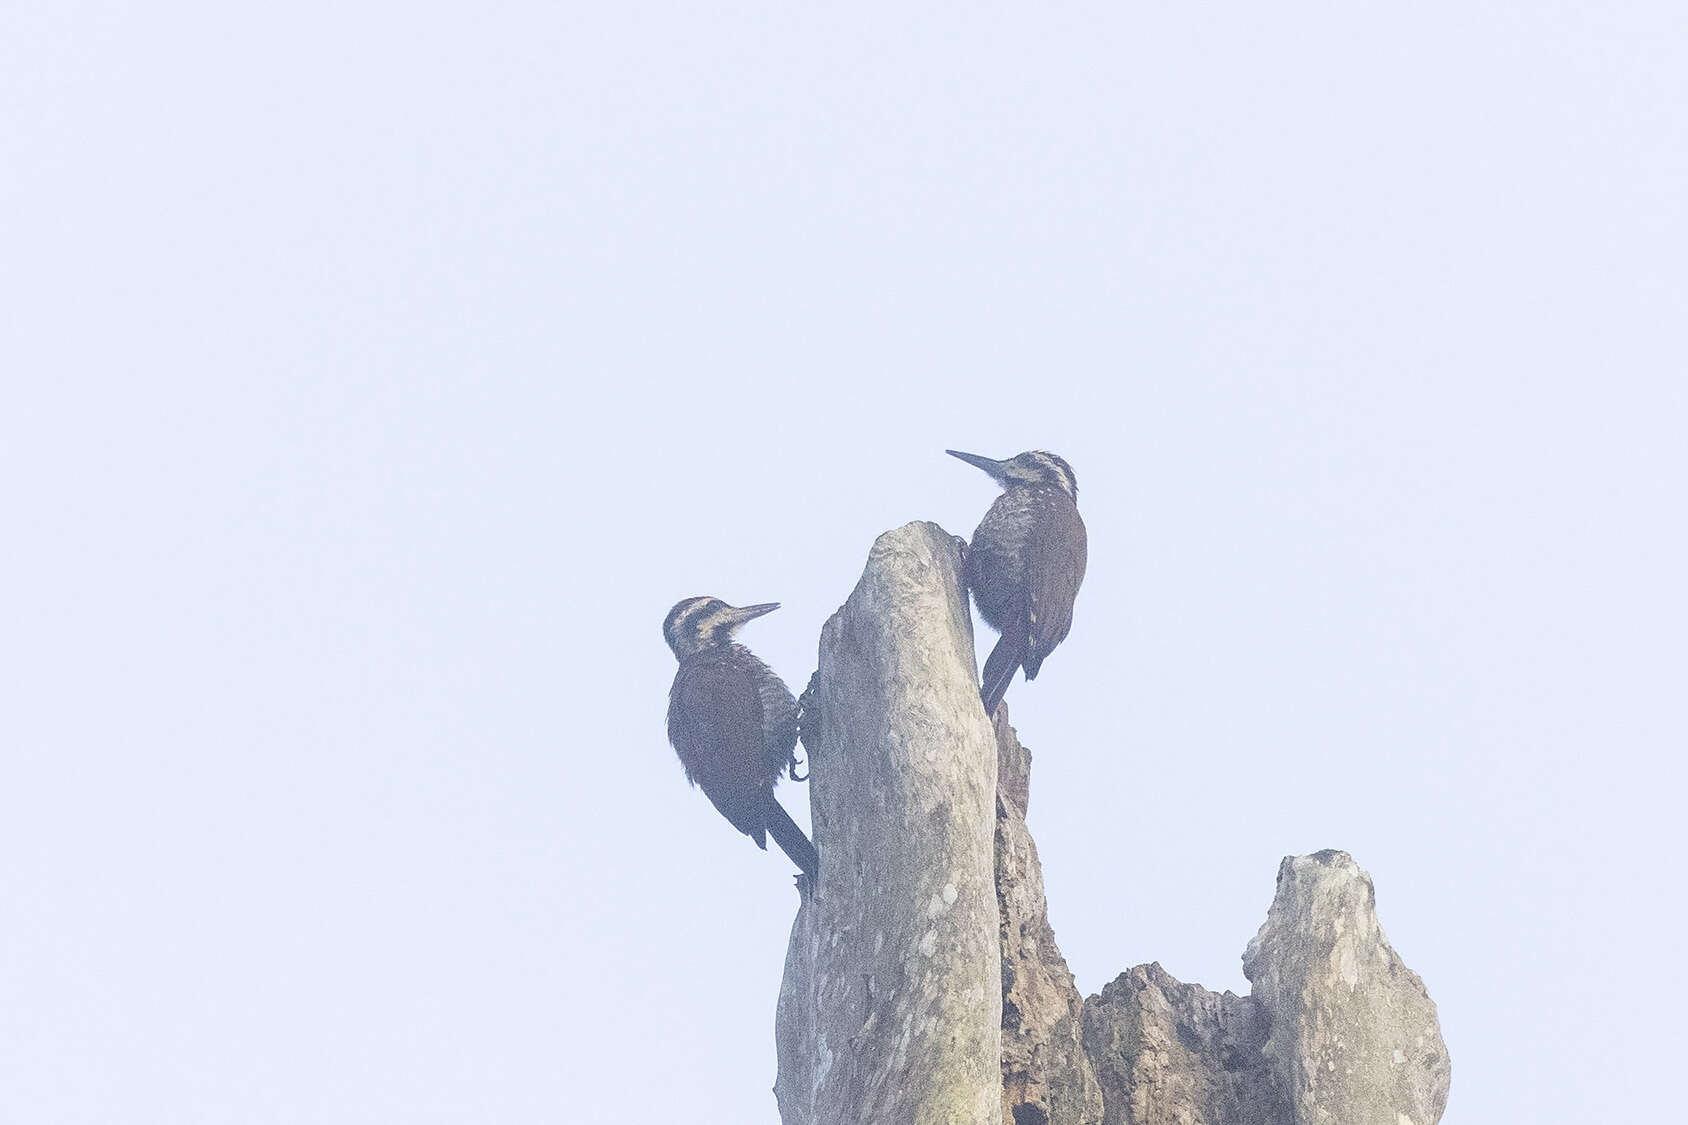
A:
[1000,665]
[791,840]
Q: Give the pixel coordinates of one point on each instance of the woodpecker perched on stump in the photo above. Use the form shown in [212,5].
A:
[1025,564]
[733,723]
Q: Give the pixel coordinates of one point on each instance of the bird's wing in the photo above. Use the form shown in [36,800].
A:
[1055,562]
[715,724]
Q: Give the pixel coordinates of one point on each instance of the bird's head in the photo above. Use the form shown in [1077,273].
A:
[1032,467]
[699,623]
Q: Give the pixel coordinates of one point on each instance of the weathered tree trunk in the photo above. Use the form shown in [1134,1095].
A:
[1354,1033]
[923,984]
[1046,1075]
[891,1008]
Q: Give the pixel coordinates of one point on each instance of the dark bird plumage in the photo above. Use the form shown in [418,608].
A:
[733,723]
[1025,563]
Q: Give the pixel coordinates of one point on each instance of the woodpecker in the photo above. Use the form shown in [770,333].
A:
[733,723]
[1025,564]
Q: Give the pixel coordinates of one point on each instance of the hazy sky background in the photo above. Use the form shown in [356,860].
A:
[379,375]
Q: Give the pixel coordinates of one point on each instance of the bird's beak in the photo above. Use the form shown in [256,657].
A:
[742,614]
[994,468]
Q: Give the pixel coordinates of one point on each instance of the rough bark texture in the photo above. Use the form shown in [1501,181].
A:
[1046,1077]
[891,1009]
[1172,1052]
[1354,1040]
[923,985]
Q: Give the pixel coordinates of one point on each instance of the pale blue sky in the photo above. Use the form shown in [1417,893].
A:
[380,374]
